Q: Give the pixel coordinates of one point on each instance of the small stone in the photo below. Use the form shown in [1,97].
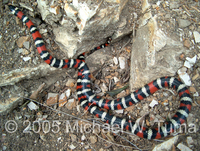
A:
[153,103]
[93,139]
[195,77]
[116,79]
[174,5]
[21,40]
[122,62]
[70,83]
[72,147]
[52,98]
[190,61]
[196,94]
[192,89]
[120,111]
[43,31]
[62,100]
[185,78]
[103,87]
[196,36]
[187,43]
[182,147]
[71,104]
[26,44]
[183,23]
[73,137]
[115,60]
[23,51]
[190,141]
[68,93]
[83,137]
[26,58]
[32,106]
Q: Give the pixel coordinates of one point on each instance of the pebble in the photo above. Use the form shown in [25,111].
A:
[23,51]
[190,141]
[52,98]
[116,79]
[83,137]
[21,40]
[93,139]
[187,43]
[26,58]
[70,104]
[115,60]
[68,93]
[185,78]
[103,87]
[183,23]
[192,89]
[32,106]
[166,145]
[70,83]
[120,111]
[122,62]
[190,61]
[182,147]
[73,137]
[153,103]
[72,147]
[174,5]
[196,36]
[62,100]
[26,44]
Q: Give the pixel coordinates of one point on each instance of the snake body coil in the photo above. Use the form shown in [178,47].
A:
[93,103]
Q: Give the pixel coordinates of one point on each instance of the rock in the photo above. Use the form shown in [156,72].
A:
[182,147]
[93,139]
[183,23]
[94,60]
[73,137]
[72,147]
[17,75]
[187,43]
[21,41]
[153,103]
[83,137]
[68,93]
[122,62]
[26,44]
[103,87]
[52,99]
[190,141]
[190,61]
[115,60]
[9,104]
[32,106]
[166,145]
[23,51]
[26,58]
[85,25]
[148,62]
[62,100]
[34,95]
[71,103]
[185,78]
[174,5]
[196,36]
[70,83]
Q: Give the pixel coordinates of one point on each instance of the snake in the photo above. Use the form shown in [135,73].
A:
[95,104]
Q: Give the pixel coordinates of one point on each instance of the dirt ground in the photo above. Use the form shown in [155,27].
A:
[53,130]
